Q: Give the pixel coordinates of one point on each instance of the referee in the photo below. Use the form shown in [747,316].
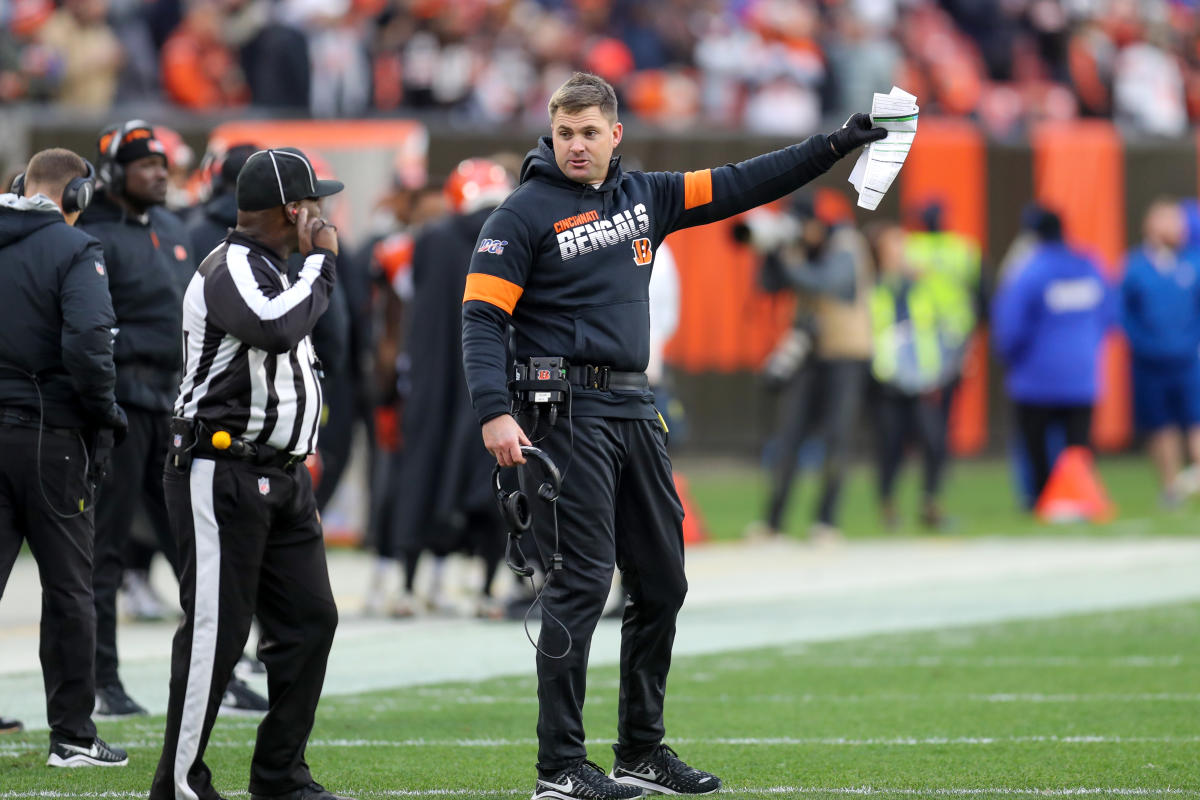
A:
[240,498]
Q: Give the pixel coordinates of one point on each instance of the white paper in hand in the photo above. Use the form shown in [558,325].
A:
[880,162]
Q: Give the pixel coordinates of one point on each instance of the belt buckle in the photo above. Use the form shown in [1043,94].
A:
[598,377]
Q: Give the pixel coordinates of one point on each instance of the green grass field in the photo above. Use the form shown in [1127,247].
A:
[978,498]
[1101,705]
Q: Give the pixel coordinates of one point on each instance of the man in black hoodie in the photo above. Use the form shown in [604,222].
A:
[566,260]
[150,262]
[210,221]
[56,404]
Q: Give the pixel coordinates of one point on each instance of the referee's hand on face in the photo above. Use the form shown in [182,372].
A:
[316,232]
[503,437]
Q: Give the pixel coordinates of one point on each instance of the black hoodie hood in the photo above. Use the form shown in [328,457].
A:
[540,165]
[22,216]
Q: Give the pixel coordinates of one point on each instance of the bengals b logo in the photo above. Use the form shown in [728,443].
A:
[642,253]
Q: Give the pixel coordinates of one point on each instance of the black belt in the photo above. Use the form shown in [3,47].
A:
[23,418]
[259,454]
[196,439]
[591,377]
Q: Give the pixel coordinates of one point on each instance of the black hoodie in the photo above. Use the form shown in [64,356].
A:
[149,262]
[571,264]
[58,318]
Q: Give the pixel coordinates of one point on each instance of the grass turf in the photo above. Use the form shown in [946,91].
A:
[1104,705]
[978,499]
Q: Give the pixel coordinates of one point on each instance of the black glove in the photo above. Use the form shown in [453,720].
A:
[117,423]
[857,131]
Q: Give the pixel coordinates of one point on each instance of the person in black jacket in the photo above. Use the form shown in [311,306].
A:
[57,416]
[241,500]
[566,260]
[444,501]
[149,263]
[216,216]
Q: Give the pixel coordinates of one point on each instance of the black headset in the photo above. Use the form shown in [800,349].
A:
[112,173]
[78,194]
[514,506]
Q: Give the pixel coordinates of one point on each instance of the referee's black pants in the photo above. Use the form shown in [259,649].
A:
[618,507]
[249,544]
[41,488]
[134,480]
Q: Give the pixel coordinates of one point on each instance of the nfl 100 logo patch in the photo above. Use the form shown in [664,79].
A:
[264,485]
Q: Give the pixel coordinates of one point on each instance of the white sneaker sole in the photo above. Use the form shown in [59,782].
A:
[56,760]
[650,786]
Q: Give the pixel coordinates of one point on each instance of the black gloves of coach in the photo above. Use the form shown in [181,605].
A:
[857,131]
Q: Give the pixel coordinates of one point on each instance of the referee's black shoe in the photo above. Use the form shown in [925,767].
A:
[11,725]
[584,781]
[314,791]
[664,772]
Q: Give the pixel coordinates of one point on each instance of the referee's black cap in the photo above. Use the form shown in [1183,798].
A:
[272,178]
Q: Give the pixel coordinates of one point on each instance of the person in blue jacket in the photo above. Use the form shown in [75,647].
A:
[1160,310]
[1049,322]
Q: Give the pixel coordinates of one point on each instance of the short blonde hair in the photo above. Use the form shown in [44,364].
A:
[584,90]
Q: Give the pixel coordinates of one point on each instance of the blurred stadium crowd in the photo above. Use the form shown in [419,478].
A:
[764,66]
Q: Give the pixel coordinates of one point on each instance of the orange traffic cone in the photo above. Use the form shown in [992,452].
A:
[694,529]
[1074,491]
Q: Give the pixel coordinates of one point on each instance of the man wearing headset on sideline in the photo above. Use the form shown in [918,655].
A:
[567,260]
[57,416]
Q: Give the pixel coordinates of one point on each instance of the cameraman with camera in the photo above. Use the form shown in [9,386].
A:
[819,366]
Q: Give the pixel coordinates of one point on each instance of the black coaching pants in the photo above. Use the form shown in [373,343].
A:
[618,507]
[41,488]
[250,544]
[134,480]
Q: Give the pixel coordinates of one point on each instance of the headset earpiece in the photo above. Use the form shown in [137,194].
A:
[80,191]
[518,516]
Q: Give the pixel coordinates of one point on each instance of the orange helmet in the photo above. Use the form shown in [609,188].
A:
[476,183]
[179,155]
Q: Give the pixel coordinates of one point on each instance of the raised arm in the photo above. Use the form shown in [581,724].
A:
[697,198]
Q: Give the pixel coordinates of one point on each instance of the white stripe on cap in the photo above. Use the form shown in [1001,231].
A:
[312,180]
[278,178]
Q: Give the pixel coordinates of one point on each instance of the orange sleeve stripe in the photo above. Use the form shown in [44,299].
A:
[697,188]
[490,289]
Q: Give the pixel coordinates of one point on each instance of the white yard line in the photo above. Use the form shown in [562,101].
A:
[14,750]
[765,791]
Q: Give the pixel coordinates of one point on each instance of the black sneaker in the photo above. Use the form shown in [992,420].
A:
[314,791]
[239,698]
[113,703]
[64,753]
[664,772]
[11,725]
[585,781]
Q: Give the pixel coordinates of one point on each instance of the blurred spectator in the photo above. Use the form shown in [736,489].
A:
[828,265]
[1160,310]
[1148,88]
[28,69]
[273,54]
[1049,322]
[91,55]
[917,341]
[199,70]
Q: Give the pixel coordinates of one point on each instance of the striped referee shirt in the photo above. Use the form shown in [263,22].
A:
[249,362]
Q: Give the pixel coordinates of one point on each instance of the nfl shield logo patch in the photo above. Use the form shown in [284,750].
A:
[264,486]
[178,440]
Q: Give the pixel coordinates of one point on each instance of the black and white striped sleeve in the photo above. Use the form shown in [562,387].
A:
[261,314]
